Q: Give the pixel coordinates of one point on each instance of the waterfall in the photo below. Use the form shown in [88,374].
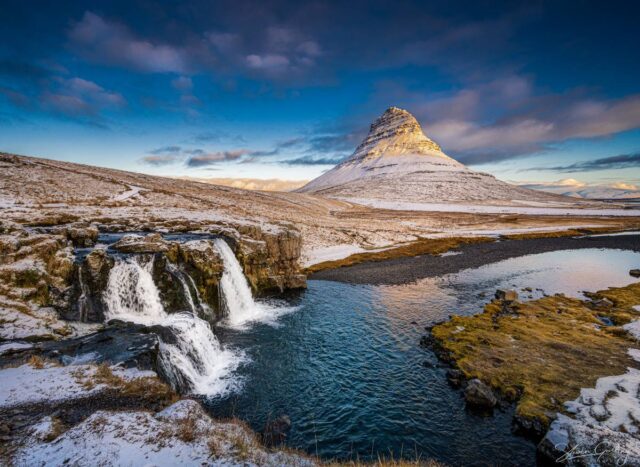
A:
[131,294]
[83,299]
[192,357]
[239,303]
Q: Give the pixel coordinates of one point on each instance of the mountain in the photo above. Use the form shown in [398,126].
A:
[577,189]
[398,162]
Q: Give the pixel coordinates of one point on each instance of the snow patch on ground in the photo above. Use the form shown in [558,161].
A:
[604,428]
[26,384]
[12,346]
[130,193]
[489,209]
[182,434]
[330,253]
[633,327]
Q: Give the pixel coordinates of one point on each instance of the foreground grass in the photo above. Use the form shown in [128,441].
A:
[424,246]
[543,352]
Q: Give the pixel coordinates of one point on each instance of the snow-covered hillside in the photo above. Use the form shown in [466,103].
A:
[397,162]
[577,189]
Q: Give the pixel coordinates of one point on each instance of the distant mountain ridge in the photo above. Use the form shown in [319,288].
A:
[398,162]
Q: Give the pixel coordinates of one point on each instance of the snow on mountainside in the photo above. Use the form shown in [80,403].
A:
[397,162]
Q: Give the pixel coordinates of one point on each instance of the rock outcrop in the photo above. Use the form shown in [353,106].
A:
[271,260]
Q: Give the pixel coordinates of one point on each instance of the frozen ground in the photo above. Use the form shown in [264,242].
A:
[550,210]
[603,426]
[29,384]
[35,189]
[182,434]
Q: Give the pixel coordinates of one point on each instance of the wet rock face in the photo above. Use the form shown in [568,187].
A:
[203,264]
[86,302]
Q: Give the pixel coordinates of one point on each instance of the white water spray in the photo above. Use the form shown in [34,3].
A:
[194,357]
[242,309]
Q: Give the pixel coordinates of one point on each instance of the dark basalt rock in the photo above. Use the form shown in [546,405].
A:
[172,293]
[126,344]
[634,273]
[86,301]
[455,377]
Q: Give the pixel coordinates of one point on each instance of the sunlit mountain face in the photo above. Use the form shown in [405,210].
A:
[287,90]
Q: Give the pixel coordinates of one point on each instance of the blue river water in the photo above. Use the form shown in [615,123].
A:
[348,370]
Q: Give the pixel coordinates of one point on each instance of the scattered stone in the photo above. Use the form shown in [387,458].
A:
[506,295]
[478,394]
[455,378]
[275,432]
[600,303]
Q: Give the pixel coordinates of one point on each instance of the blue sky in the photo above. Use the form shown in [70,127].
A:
[530,91]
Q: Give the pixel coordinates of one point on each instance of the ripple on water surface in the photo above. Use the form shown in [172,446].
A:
[348,370]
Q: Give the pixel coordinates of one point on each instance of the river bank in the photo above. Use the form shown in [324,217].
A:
[467,255]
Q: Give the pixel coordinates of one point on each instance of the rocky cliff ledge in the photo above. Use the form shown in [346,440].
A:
[52,276]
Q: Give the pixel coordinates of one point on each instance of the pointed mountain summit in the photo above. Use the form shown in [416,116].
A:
[398,162]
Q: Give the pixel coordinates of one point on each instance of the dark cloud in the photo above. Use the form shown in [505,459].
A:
[207,159]
[622,161]
[309,160]
[158,160]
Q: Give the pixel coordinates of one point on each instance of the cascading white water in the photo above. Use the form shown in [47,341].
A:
[241,307]
[197,358]
[131,294]
[194,357]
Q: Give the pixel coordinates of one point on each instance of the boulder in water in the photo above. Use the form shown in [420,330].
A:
[634,273]
[478,394]
[506,295]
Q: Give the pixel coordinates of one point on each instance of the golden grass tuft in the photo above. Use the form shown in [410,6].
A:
[149,388]
[37,362]
[545,352]
[186,429]
[423,246]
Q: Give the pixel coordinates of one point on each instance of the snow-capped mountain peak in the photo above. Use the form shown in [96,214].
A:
[398,162]
[396,132]
[395,144]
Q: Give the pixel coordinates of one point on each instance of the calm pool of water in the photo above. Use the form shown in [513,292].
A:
[349,372]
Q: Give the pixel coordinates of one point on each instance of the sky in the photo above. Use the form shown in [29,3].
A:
[527,91]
